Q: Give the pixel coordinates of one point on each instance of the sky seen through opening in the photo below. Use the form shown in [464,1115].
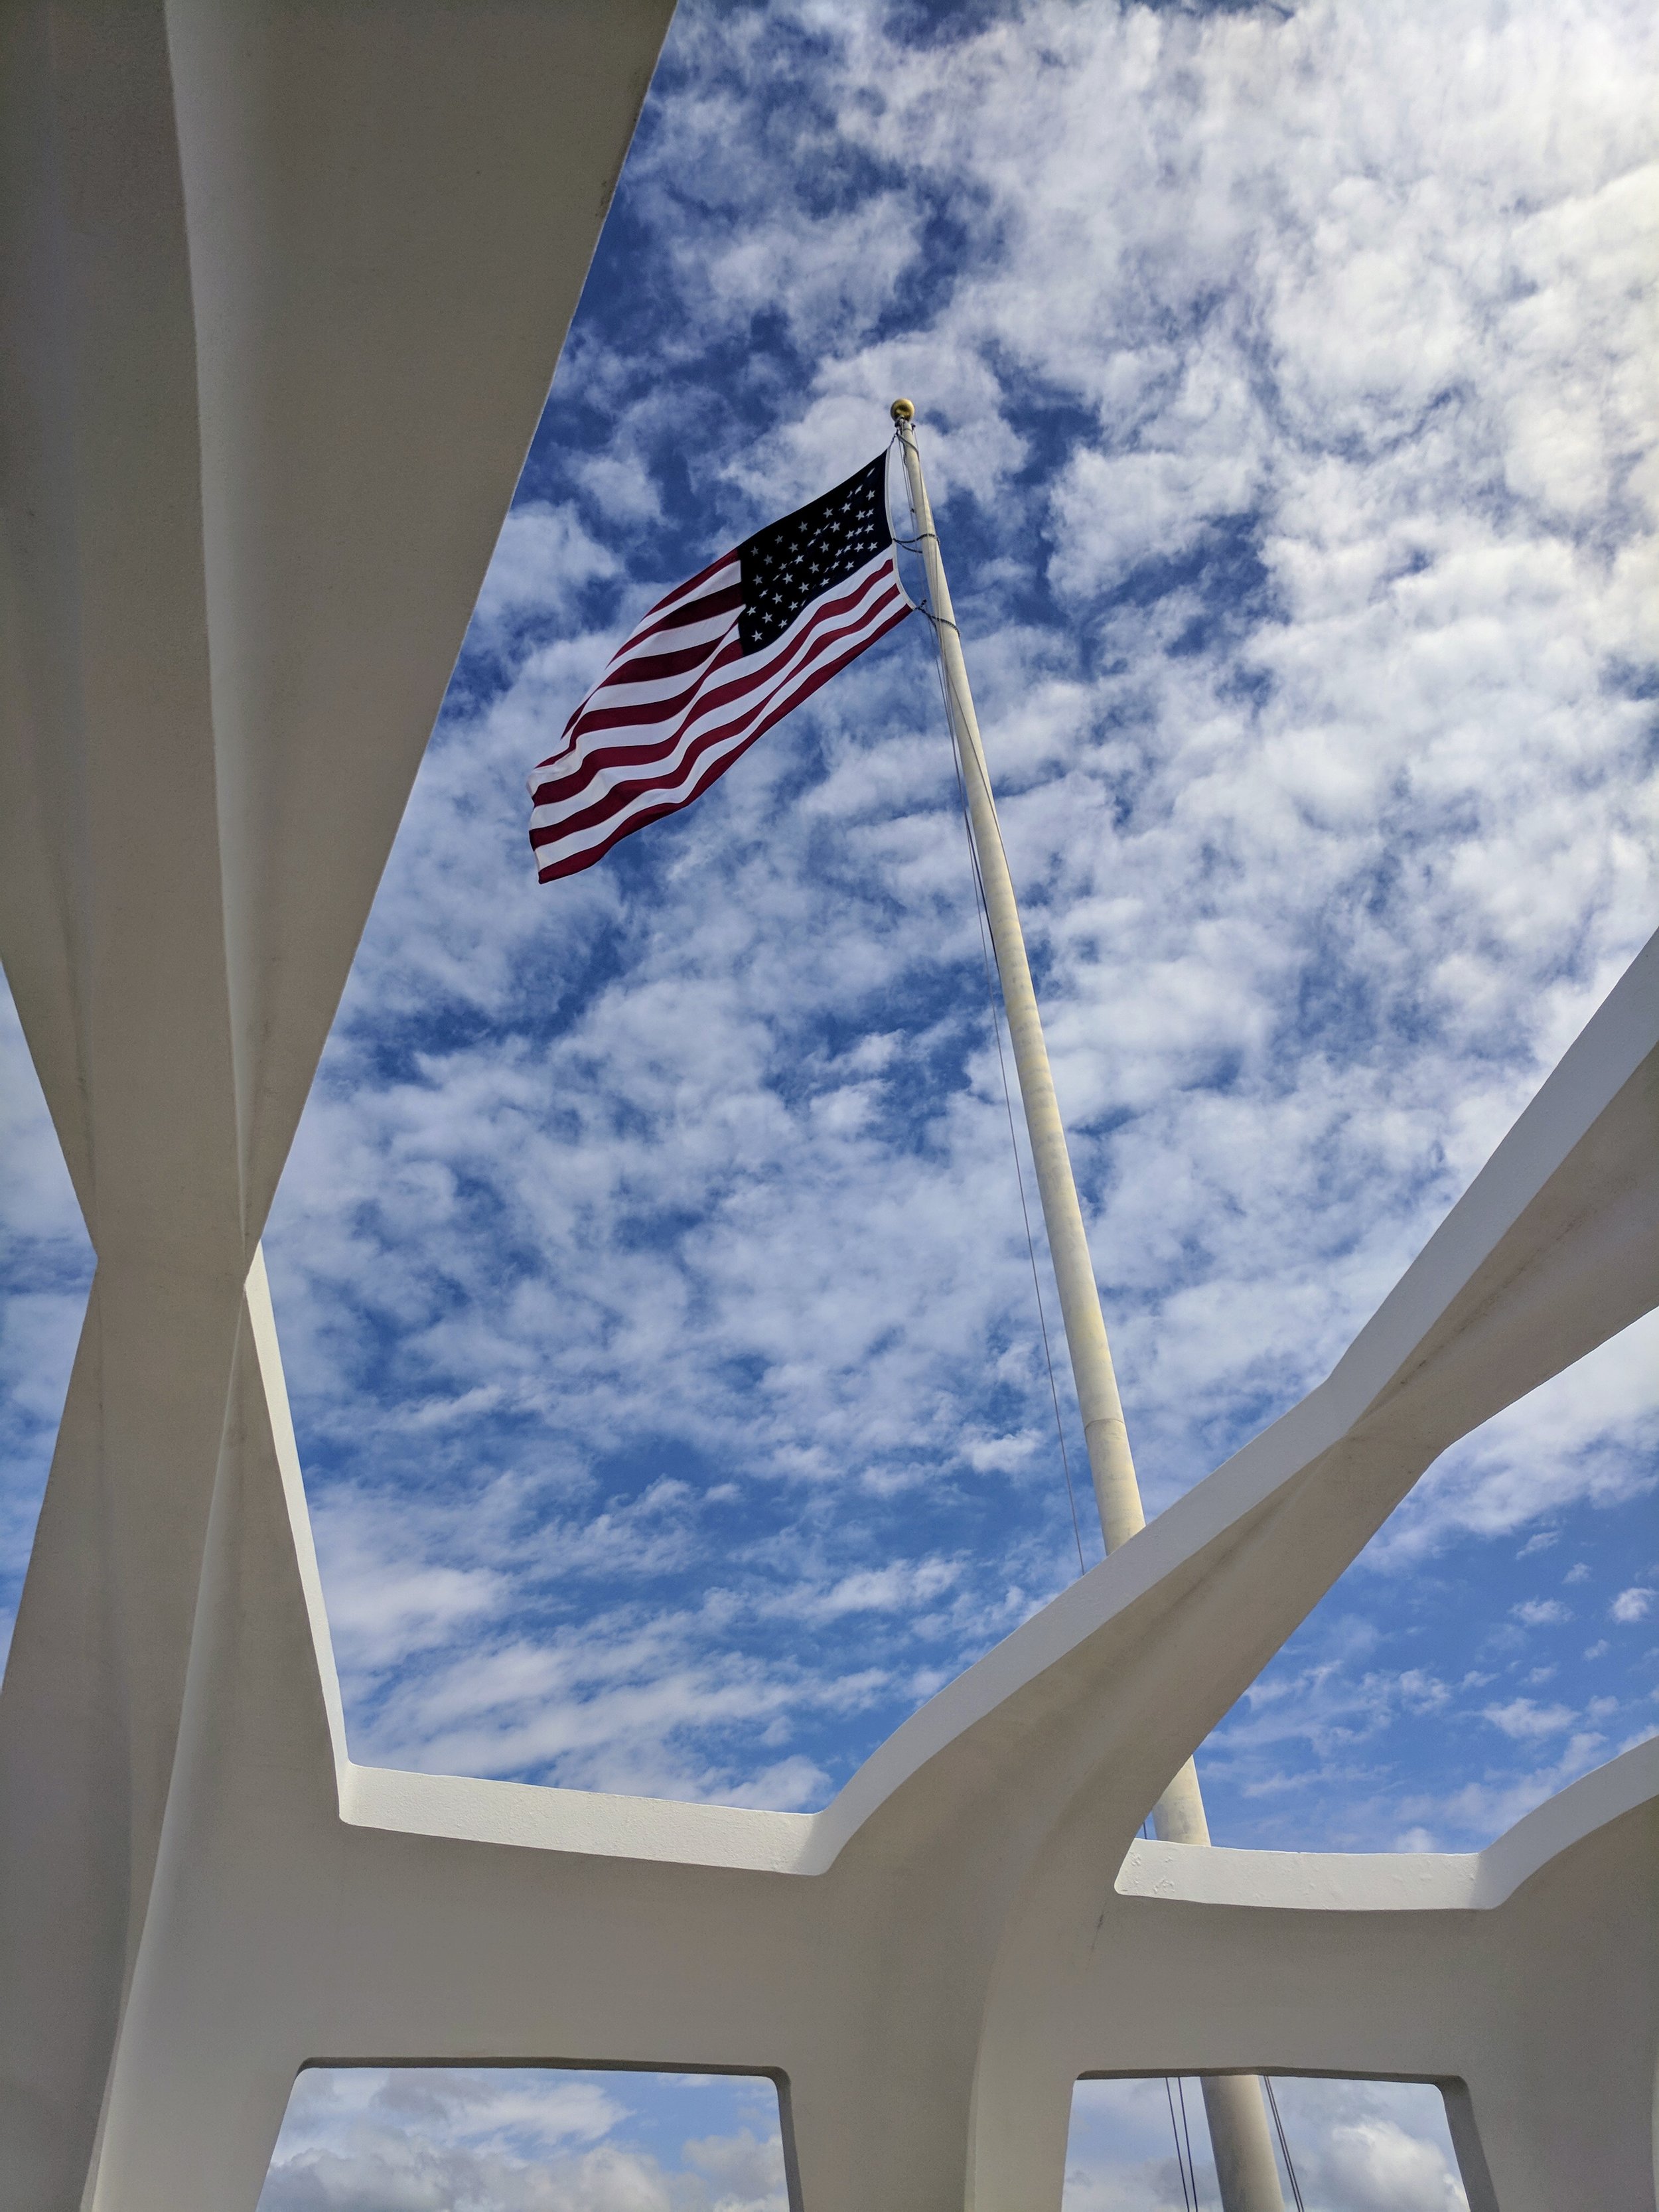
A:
[650,1267]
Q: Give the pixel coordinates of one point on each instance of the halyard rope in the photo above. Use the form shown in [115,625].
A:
[982,916]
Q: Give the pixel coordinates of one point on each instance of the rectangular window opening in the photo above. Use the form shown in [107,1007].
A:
[529,2139]
[1141,2143]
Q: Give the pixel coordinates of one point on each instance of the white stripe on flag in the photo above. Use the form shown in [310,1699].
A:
[680,701]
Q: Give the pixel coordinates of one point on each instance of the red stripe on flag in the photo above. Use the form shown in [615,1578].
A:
[742,674]
[576,851]
[690,735]
[668,762]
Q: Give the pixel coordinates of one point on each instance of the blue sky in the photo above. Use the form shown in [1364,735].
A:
[513,2139]
[649,1267]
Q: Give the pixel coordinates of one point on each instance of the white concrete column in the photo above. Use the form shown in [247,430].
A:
[1247,2173]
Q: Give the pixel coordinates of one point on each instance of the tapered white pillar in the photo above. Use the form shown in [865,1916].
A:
[1247,2171]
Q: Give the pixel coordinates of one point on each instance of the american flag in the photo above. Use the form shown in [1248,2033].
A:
[713,666]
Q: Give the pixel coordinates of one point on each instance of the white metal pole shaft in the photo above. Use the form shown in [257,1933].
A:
[1247,2173]
[1116,1492]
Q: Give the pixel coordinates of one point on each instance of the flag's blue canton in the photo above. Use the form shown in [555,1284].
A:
[786,565]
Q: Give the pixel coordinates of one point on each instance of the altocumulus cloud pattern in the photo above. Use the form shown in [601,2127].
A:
[1282,383]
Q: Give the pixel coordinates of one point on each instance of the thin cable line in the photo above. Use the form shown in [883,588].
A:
[939,622]
[983,917]
[942,621]
[1181,2091]
[1283,2142]
[1180,2168]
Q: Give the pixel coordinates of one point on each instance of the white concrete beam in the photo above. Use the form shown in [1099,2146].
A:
[282,288]
[933,1959]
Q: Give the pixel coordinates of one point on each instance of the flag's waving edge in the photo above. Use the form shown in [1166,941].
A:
[713,666]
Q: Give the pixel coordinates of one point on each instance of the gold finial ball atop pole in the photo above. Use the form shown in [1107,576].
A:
[903,411]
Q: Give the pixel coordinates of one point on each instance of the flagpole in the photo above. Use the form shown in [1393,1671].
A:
[1247,2173]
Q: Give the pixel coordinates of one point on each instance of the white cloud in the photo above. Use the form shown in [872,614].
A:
[1358,2146]
[384,1605]
[1282,390]
[747,2170]
[1485,1806]
[650,1268]
[1588,1435]
[1375,2167]
[424,2139]
[1631,1605]
[1523,1719]
[1111,512]
[1542,1613]
[881,1589]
